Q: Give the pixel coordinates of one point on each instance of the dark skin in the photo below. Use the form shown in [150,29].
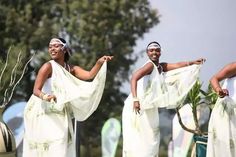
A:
[227,71]
[57,54]
[154,55]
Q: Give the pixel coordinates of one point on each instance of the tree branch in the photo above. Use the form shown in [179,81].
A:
[14,82]
[182,124]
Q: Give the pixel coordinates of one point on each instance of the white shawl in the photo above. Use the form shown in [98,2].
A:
[222,124]
[48,125]
[141,132]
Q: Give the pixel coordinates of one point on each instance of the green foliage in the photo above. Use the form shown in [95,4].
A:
[93,29]
[210,96]
[196,97]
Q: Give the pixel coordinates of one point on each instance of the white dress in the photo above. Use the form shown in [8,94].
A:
[141,132]
[222,124]
[48,125]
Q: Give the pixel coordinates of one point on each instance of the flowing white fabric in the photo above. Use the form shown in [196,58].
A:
[222,124]
[141,132]
[48,125]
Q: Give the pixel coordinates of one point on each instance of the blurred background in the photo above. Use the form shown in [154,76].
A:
[187,30]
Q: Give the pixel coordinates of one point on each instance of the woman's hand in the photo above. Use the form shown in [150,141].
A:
[222,92]
[104,58]
[136,107]
[198,61]
[49,98]
[52,98]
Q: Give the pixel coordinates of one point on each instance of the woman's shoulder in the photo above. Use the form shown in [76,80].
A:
[74,68]
[146,68]
[46,67]
[148,64]
[164,66]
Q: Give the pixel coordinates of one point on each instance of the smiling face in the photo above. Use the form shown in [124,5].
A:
[154,51]
[154,54]
[56,51]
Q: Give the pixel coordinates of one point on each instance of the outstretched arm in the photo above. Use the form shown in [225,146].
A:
[172,66]
[227,72]
[87,75]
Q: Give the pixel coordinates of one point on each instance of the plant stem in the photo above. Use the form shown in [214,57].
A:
[182,124]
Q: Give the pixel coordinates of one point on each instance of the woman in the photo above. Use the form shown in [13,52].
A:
[222,124]
[60,93]
[153,86]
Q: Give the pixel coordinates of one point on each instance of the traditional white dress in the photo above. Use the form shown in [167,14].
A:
[222,124]
[141,132]
[48,125]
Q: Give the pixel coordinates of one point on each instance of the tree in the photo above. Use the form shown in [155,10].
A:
[93,28]
[13,68]
[195,98]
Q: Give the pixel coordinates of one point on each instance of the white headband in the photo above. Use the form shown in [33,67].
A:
[56,41]
[153,46]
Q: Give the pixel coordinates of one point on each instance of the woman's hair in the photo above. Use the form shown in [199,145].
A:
[153,42]
[66,49]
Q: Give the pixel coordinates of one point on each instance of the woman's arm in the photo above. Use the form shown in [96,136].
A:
[87,75]
[226,72]
[172,66]
[44,73]
[145,70]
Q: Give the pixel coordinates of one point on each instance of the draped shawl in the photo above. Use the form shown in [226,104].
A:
[141,133]
[48,125]
[222,124]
